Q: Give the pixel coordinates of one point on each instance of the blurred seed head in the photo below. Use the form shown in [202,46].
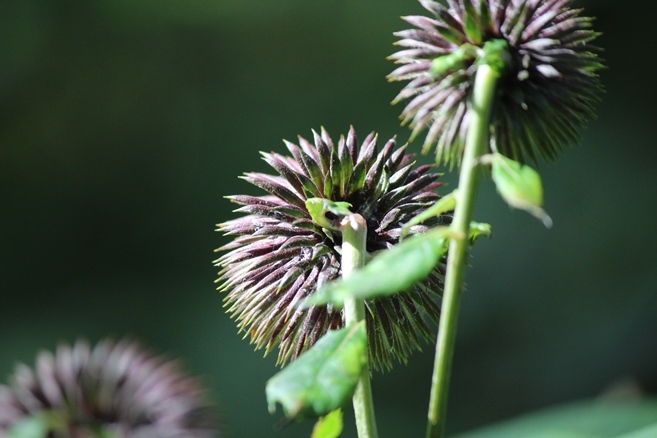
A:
[116,387]
[279,255]
[546,93]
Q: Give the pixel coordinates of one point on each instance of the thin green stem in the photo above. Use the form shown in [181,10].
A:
[475,144]
[354,235]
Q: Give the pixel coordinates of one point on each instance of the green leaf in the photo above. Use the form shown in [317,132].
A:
[520,186]
[646,432]
[327,214]
[389,272]
[39,425]
[443,205]
[323,378]
[329,426]
[587,419]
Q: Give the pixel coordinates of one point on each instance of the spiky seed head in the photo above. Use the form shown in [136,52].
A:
[279,255]
[546,93]
[115,387]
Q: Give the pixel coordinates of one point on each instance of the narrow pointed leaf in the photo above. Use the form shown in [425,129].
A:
[443,205]
[520,186]
[390,272]
[329,426]
[323,378]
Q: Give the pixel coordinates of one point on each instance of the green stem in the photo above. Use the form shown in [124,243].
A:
[354,235]
[475,144]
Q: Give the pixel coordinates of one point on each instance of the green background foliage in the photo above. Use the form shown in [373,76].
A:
[123,123]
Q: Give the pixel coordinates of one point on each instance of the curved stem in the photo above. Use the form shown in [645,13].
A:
[354,235]
[479,110]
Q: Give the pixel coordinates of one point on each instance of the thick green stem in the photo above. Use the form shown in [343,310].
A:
[354,235]
[475,144]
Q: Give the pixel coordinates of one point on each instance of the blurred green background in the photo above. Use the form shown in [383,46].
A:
[123,124]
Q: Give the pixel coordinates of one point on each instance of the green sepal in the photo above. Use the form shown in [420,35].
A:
[389,272]
[443,205]
[328,426]
[357,177]
[328,186]
[519,185]
[334,174]
[346,168]
[484,16]
[472,26]
[479,229]
[314,170]
[323,378]
[320,207]
[472,29]
[450,34]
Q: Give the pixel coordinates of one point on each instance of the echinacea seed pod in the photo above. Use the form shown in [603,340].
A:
[112,389]
[545,94]
[280,256]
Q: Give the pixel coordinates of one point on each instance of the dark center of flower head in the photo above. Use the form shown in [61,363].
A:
[280,256]
[547,90]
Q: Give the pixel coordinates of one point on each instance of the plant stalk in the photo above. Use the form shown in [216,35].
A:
[354,235]
[476,142]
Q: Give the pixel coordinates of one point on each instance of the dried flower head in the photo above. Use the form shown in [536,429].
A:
[280,256]
[114,387]
[546,93]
